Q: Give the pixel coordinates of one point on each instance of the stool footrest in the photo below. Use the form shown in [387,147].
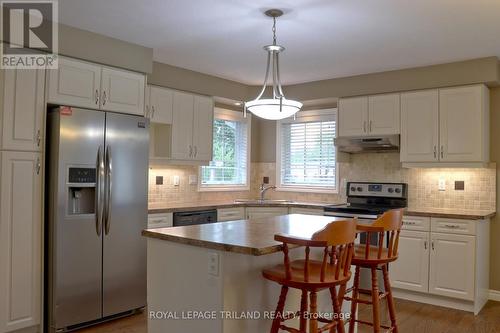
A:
[290,329]
[388,328]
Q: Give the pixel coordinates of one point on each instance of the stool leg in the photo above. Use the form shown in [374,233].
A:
[354,302]
[279,310]
[303,310]
[375,300]
[390,300]
[336,312]
[341,295]
[313,319]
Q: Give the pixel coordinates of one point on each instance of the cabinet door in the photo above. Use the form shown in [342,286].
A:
[230,214]
[20,240]
[182,126]
[75,83]
[23,110]
[411,270]
[461,120]
[258,212]
[383,114]
[122,91]
[161,105]
[353,116]
[203,128]
[452,265]
[420,126]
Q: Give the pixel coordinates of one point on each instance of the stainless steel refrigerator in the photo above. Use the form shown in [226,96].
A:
[96,197]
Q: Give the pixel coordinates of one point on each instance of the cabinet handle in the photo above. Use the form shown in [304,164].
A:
[371,125]
[190,151]
[103,97]
[38,138]
[38,165]
[364,126]
[409,223]
[452,226]
[442,151]
[96,97]
[195,151]
[435,152]
[432,244]
[152,111]
[425,245]
[147,111]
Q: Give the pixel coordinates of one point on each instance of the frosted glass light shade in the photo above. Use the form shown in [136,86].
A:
[270,108]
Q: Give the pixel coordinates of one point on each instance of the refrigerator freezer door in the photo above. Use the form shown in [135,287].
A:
[124,252]
[75,248]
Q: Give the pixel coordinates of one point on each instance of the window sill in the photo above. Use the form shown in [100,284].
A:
[216,188]
[327,190]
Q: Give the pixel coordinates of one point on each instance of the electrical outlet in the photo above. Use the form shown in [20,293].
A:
[213,264]
[176,180]
[442,184]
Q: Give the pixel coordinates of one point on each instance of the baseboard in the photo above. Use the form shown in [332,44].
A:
[494,295]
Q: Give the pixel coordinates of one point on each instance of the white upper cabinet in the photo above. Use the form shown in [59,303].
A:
[464,126]
[369,115]
[182,128]
[122,91]
[75,83]
[448,125]
[452,265]
[160,106]
[383,114]
[23,110]
[411,270]
[202,128]
[82,84]
[20,240]
[420,126]
[353,116]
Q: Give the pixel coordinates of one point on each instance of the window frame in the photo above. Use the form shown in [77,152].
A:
[307,116]
[226,114]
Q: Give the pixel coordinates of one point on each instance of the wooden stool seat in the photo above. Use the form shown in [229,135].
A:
[374,258]
[311,276]
[278,274]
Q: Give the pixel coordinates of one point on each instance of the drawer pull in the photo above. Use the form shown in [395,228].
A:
[409,223]
[452,226]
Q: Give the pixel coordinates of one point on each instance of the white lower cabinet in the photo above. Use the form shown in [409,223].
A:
[230,214]
[258,212]
[20,240]
[165,220]
[452,264]
[411,270]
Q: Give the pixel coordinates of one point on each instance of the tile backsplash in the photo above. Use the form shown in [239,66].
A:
[479,184]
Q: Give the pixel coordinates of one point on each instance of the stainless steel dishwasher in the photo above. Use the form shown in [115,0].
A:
[195,217]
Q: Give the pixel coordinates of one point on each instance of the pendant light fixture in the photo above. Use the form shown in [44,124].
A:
[277,107]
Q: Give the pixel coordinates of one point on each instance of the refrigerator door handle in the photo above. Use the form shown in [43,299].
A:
[99,189]
[109,189]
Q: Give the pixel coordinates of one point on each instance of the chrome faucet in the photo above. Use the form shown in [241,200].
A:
[264,189]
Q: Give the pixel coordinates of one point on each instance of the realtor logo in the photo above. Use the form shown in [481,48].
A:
[29,34]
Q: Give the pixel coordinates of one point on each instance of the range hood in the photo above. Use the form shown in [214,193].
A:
[353,145]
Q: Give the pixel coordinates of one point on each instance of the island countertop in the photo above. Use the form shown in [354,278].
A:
[253,237]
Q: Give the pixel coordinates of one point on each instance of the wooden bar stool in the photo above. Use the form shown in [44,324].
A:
[376,258]
[311,276]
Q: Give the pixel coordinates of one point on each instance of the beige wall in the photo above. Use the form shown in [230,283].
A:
[495,156]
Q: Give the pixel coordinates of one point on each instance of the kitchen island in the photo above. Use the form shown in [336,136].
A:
[207,278]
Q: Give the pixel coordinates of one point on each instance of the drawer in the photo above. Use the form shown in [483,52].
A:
[453,226]
[417,223]
[230,214]
[160,220]
[306,211]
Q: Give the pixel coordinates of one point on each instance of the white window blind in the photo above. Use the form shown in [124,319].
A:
[229,166]
[308,154]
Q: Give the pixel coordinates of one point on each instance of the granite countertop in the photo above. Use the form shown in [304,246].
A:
[253,237]
[411,211]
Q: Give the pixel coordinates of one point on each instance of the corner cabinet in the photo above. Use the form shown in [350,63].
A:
[20,240]
[369,115]
[445,126]
[23,110]
[87,85]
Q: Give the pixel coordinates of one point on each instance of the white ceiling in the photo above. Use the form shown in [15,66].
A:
[323,38]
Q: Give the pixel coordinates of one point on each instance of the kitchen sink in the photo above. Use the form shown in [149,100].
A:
[262,202]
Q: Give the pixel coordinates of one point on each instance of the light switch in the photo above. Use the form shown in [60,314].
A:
[176,180]
[442,184]
[213,264]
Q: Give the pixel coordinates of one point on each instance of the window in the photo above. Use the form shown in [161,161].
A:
[229,168]
[306,155]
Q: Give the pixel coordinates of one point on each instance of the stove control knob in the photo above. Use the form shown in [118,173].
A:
[398,190]
[359,189]
[353,189]
[390,190]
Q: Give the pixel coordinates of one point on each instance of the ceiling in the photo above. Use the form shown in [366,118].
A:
[323,38]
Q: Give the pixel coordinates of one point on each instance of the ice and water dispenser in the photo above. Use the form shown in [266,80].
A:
[81,190]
